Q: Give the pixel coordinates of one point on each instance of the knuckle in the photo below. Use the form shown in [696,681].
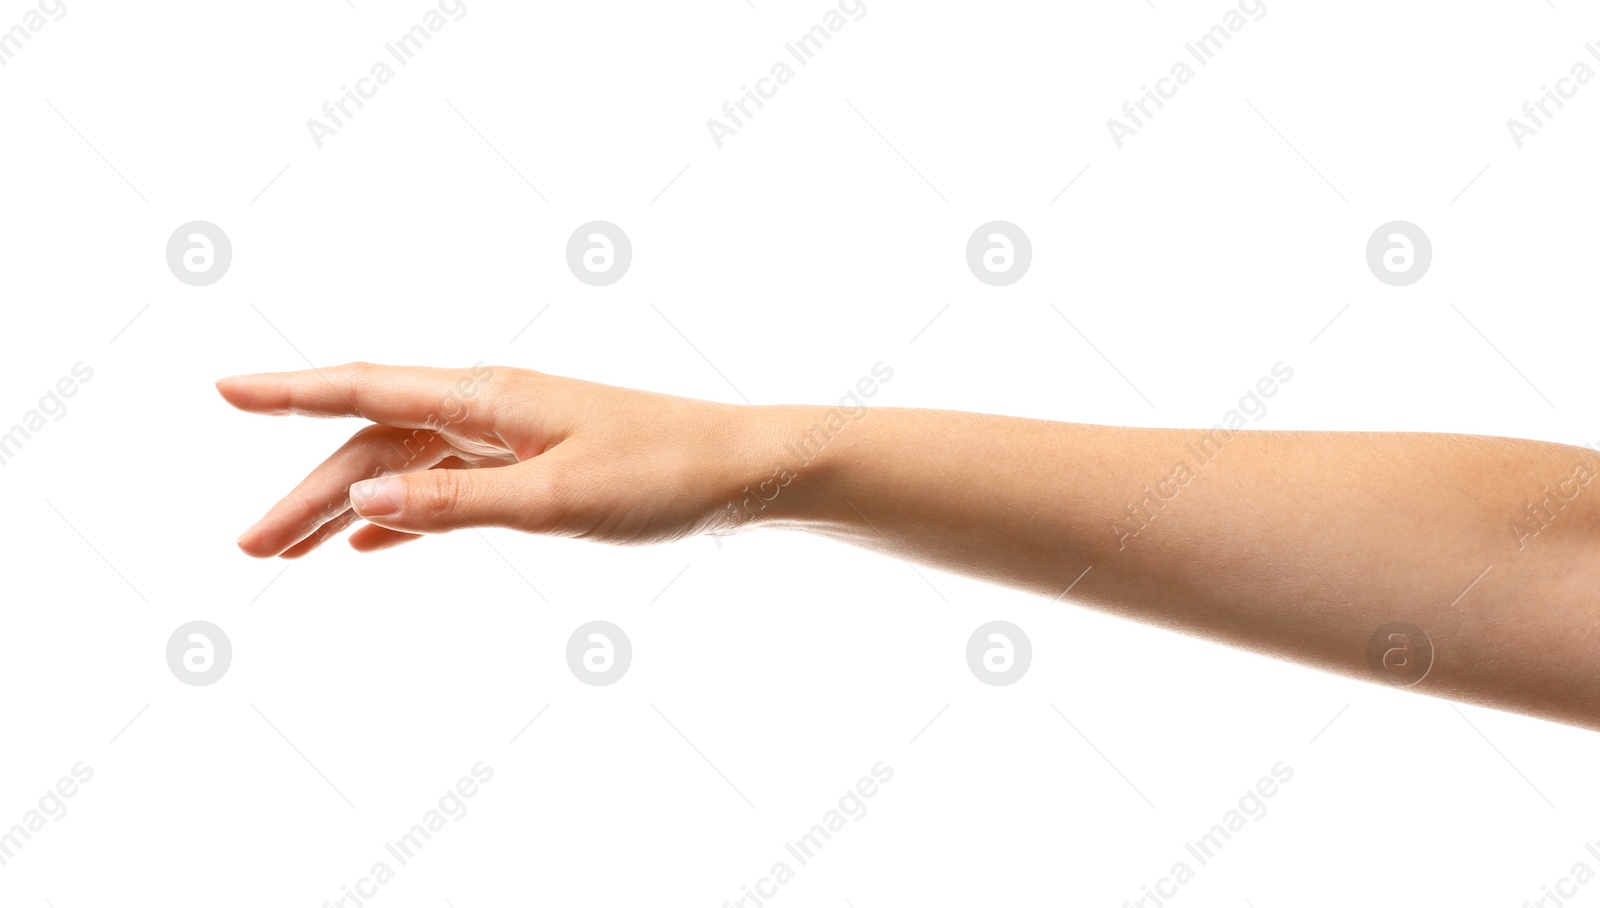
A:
[502,385]
[356,371]
[500,394]
[488,384]
[440,491]
[358,375]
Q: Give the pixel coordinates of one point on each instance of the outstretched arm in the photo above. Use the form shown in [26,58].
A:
[1464,566]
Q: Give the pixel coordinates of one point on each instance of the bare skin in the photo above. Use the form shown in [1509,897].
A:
[1302,545]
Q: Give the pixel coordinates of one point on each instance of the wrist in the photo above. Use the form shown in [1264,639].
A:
[793,460]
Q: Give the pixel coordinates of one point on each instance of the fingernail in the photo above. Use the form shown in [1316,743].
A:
[376,498]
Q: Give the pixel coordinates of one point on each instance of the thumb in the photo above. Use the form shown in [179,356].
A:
[437,501]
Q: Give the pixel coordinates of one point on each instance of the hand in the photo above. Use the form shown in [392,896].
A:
[492,446]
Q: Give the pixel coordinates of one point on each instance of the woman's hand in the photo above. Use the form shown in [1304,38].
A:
[492,446]
[1311,546]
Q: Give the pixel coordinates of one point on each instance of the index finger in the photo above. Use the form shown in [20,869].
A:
[411,397]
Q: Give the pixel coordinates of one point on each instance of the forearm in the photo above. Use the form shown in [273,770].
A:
[1353,552]
[1301,545]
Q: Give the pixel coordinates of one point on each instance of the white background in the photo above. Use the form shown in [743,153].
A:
[792,259]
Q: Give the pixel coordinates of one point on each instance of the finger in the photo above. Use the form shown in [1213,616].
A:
[374,538]
[325,532]
[378,538]
[324,494]
[437,501]
[410,397]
